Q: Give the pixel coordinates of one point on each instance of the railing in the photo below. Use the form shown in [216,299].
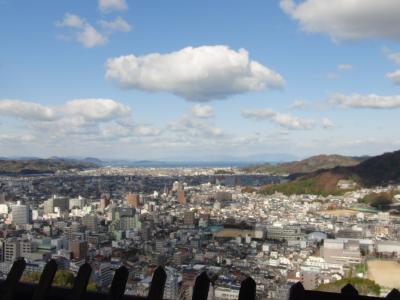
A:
[12,288]
[297,292]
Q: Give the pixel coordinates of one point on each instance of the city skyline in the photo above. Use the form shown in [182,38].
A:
[150,80]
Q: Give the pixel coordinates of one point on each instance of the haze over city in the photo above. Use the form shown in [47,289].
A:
[198,80]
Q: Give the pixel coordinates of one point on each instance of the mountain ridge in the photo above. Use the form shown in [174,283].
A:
[308,165]
[41,166]
[378,170]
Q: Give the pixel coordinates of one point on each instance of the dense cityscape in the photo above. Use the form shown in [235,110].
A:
[199,150]
[194,220]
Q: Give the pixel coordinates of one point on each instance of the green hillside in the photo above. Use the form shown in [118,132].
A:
[41,166]
[379,170]
[308,165]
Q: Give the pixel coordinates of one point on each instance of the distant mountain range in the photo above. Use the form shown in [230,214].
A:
[30,166]
[378,170]
[307,165]
[35,165]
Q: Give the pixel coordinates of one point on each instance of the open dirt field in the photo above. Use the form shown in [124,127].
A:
[384,272]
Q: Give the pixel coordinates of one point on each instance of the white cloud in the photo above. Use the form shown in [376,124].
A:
[89,37]
[71,20]
[144,130]
[394,76]
[285,120]
[395,57]
[96,109]
[347,19]
[202,111]
[190,127]
[299,104]
[85,33]
[112,5]
[118,130]
[118,24]
[332,76]
[80,120]
[198,74]
[345,67]
[327,123]
[366,101]
[26,110]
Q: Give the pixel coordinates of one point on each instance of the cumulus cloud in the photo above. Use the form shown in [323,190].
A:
[118,24]
[366,101]
[394,76]
[85,33]
[327,123]
[190,127]
[345,67]
[71,20]
[26,110]
[299,104]
[112,5]
[202,111]
[347,20]
[92,119]
[96,109]
[197,74]
[145,130]
[284,120]
[115,130]
[89,37]
[394,56]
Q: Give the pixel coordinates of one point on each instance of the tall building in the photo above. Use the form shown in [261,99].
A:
[104,202]
[188,218]
[71,231]
[76,202]
[125,218]
[146,232]
[78,249]
[171,289]
[11,250]
[181,196]
[309,279]
[133,200]
[21,214]
[61,202]
[90,221]
[103,274]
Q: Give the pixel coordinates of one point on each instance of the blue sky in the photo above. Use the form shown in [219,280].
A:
[189,79]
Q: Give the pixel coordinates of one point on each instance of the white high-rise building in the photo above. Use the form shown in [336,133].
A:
[171,290]
[21,214]
[11,250]
[77,202]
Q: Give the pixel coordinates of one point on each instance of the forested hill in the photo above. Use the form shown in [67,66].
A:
[378,170]
[41,166]
[307,165]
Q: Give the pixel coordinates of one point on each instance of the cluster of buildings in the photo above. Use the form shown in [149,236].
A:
[191,227]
